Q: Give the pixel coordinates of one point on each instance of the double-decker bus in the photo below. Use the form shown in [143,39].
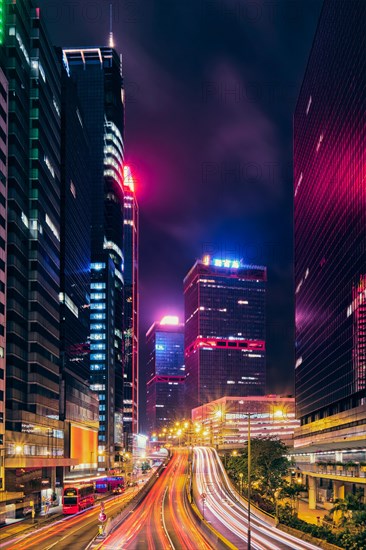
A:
[107,484]
[77,497]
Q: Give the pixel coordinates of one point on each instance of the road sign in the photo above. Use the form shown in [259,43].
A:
[102,517]
[203,496]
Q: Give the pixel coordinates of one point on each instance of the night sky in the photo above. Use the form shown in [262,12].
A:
[211,87]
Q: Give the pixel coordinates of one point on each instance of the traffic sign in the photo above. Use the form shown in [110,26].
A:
[102,517]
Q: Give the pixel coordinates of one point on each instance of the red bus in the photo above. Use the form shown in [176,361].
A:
[77,497]
[107,484]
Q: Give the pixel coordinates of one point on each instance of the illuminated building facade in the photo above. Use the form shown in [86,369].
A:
[34,432]
[330,239]
[130,251]
[165,372]
[78,405]
[3,237]
[97,76]
[225,347]
[330,264]
[224,422]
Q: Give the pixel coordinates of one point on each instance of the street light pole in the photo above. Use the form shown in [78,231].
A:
[249,483]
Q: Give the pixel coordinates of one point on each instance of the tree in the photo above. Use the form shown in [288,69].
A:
[291,491]
[349,510]
[269,465]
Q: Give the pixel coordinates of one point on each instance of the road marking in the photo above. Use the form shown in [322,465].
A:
[163,516]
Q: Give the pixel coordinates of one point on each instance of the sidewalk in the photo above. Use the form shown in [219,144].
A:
[311,516]
[18,526]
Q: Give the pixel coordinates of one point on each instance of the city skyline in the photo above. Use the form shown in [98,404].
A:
[182,274]
[238,104]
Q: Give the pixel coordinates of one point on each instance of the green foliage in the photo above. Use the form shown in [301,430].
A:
[145,466]
[269,465]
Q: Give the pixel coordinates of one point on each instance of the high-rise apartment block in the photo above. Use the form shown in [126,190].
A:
[225,345]
[165,372]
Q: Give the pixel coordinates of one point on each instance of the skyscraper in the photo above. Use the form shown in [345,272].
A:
[130,250]
[225,348]
[97,75]
[330,233]
[34,433]
[165,372]
[79,407]
[3,237]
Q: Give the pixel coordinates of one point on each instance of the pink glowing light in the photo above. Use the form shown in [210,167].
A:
[170,320]
[128,180]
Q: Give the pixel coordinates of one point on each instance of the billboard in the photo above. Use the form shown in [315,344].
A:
[83,444]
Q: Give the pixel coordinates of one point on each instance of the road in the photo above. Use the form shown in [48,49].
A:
[161,521]
[228,515]
[69,533]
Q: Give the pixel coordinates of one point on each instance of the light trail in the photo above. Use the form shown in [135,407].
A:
[227,513]
[161,521]
[33,539]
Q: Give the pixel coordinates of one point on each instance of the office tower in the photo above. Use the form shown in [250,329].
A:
[34,433]
[225,348]
[3,237]
[130,251]
[165,372]
[79,406]
[330,235]
[97,76]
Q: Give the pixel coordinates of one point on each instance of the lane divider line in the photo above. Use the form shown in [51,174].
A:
[163,518]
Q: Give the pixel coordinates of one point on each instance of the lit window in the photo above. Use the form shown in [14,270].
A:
[309,105]
[97,266]
[97,286]
[73,189]
[97,316]
[97,295]
[97,356]
[97,306]
[52,226]
[94,347]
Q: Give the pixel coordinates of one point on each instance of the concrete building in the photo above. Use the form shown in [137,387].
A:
[224,422]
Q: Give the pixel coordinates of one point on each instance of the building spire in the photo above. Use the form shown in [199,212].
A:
[111,41]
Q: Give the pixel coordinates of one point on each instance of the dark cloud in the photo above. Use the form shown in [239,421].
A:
[210,91]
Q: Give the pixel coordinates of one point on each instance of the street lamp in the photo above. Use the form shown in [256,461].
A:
[241,483]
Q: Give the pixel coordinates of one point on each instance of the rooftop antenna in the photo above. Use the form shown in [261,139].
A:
[111,41]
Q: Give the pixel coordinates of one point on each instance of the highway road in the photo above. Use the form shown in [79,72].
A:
[228,515]
[161,521]
[69,533]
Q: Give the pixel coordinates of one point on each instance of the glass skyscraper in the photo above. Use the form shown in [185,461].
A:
[165,372]
[97,75]
[330,231]
[225,346]
[3,238]
[78,404]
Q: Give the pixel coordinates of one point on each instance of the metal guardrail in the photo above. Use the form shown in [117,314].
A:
[336,470]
